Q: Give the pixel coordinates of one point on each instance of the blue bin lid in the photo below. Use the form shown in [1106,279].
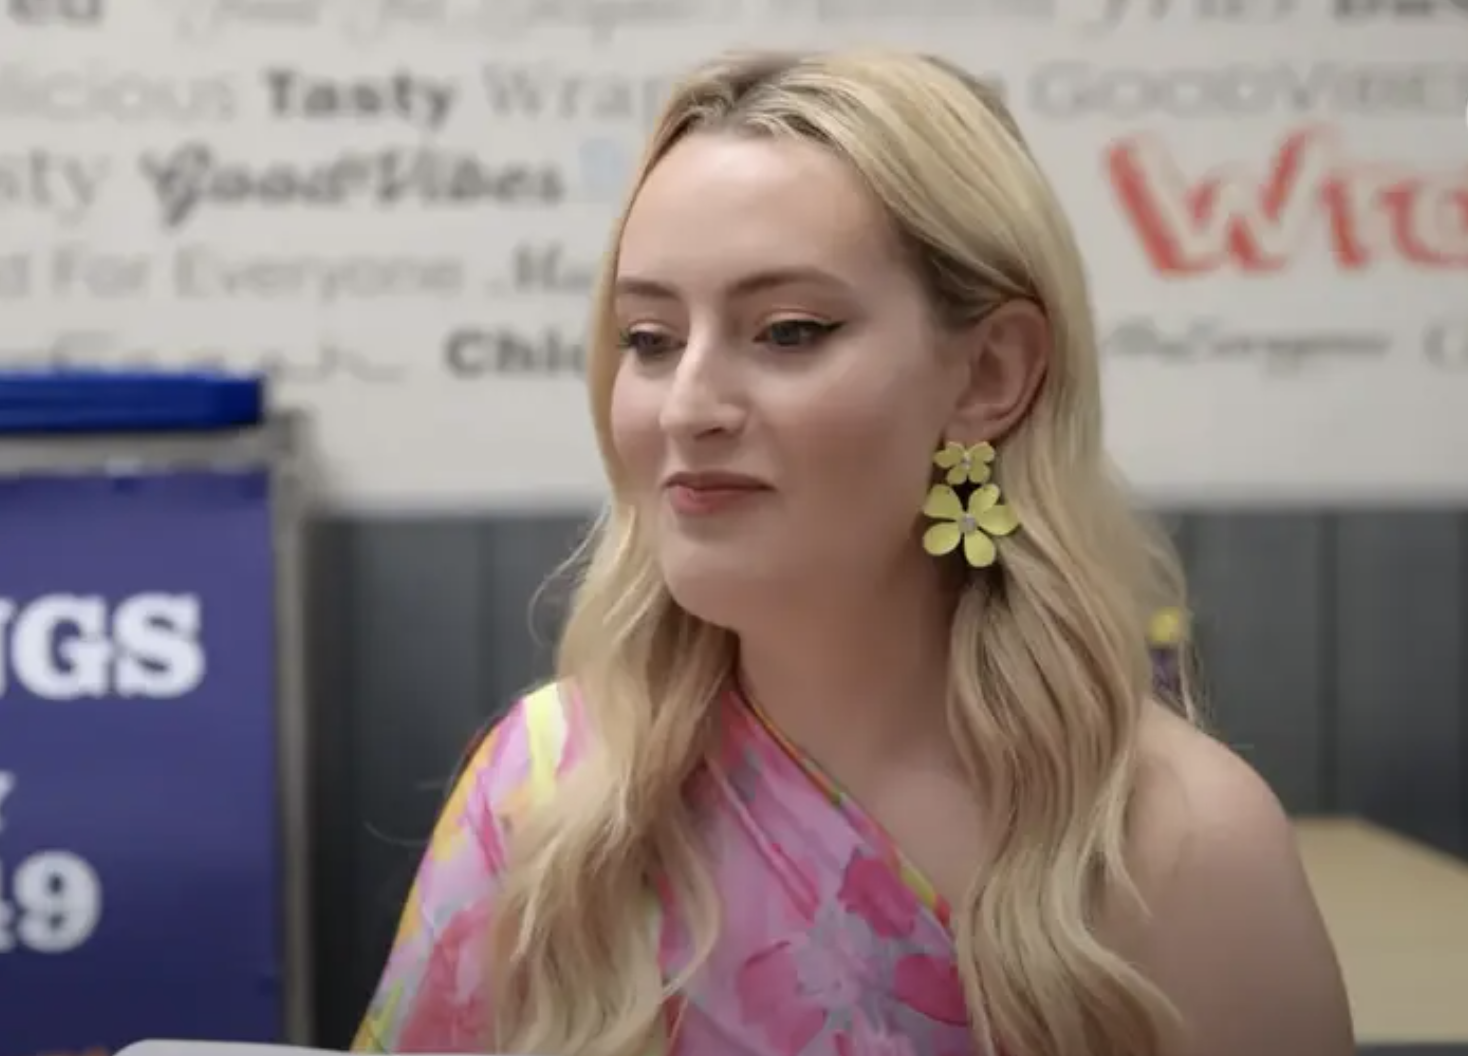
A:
[95,401]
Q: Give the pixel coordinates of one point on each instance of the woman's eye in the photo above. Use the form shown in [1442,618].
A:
[796,333]
[643,343]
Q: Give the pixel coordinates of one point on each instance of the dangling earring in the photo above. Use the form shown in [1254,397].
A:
[975,524]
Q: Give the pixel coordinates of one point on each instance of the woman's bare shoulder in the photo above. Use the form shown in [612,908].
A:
[1196,800]
[1192,789]
[1230,930]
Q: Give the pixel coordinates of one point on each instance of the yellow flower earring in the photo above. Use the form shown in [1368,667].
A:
[965,465]
[975,524]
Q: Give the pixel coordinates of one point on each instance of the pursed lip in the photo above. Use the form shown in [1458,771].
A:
[715,481]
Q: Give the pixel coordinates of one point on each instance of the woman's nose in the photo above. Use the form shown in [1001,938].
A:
[703,394]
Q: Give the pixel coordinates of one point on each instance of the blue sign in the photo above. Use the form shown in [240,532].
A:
[140,871]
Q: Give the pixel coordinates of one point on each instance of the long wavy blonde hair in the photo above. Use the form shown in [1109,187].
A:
[1050,672]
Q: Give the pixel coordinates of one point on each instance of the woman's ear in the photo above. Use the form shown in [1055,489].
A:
[1003,360]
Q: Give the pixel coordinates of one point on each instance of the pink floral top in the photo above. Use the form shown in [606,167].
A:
[831,944]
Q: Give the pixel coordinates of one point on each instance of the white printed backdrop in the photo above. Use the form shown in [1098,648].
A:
[396,206]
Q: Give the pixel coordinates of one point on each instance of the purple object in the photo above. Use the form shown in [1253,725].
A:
[140,869]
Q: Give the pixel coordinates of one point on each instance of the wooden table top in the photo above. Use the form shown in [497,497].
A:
[1398,913]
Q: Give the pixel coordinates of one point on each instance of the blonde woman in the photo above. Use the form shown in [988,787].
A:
[854,749]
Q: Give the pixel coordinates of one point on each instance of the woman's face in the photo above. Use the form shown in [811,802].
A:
[781,388]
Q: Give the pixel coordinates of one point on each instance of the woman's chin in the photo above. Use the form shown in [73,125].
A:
[726,590]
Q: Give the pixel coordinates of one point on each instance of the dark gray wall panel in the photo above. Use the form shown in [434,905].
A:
[1460,675]
[1400,628]
[412,612]
[1179,527]
[523,605]
[337,918]
[1258,581]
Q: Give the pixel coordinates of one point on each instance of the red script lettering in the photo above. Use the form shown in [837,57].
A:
[1364,214]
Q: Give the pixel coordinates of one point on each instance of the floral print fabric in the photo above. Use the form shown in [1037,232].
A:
[831,944]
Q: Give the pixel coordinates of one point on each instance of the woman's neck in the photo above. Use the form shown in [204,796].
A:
[862,681]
